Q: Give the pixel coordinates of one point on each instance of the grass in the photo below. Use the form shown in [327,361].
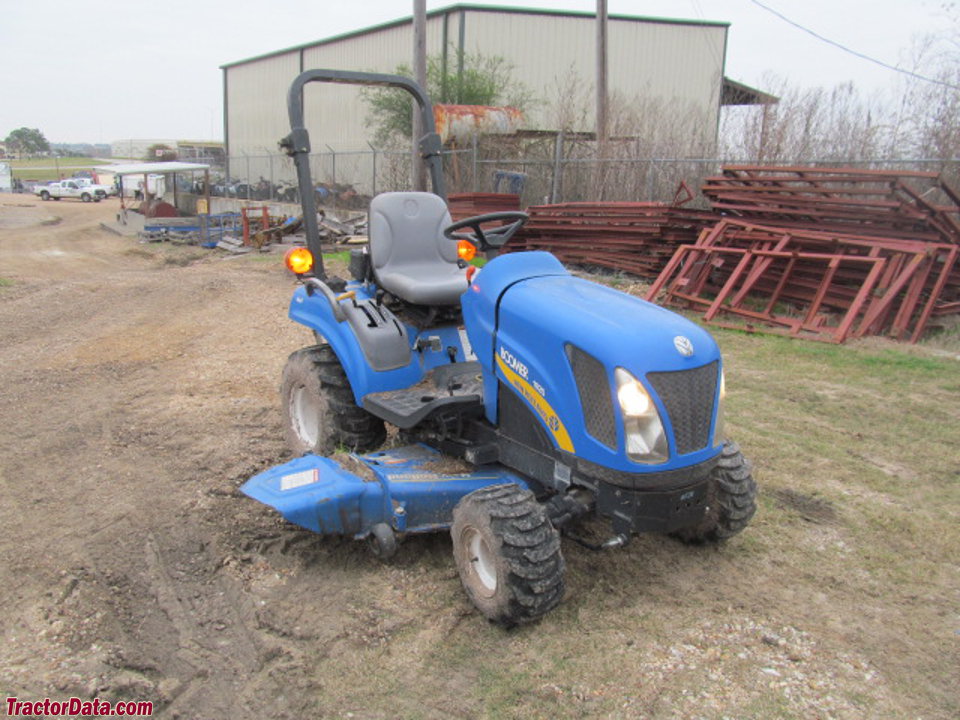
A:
[5,282]
[44,169]
[342,256]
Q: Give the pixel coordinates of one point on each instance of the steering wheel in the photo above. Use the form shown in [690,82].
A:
[487,239]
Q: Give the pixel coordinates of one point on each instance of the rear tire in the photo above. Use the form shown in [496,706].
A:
[731,500]
[507,554]
[319,412]
[44,195]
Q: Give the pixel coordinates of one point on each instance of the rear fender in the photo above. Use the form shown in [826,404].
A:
[315,312]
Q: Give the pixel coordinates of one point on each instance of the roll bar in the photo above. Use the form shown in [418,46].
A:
[297,143]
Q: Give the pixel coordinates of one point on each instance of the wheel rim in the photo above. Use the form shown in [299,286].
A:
[305,412]
[482,564]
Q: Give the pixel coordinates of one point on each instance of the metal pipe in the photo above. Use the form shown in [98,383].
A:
[297,143]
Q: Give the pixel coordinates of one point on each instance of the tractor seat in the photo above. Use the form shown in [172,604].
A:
[411,258]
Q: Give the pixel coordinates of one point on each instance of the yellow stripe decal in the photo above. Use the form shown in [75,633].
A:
[550,418]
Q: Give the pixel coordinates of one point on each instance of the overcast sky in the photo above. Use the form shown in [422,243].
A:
[84,71]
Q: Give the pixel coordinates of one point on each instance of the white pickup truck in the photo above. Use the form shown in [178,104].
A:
[68,189]
[103,191]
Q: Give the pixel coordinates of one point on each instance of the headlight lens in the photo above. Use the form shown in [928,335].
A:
[645,438]
[634,400]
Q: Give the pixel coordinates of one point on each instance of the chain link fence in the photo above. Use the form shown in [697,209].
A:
[546,171]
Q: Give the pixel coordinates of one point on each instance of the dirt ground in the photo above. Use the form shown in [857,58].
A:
[139,388]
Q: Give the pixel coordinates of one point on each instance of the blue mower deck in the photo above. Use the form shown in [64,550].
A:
[410,488]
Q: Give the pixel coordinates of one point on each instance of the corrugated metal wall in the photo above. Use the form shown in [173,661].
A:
[674,66]
[677,66]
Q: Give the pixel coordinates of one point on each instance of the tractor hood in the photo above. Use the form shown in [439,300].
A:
[556,341]
[618,329]
[559,342]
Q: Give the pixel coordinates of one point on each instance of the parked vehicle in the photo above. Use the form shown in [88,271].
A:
[102,190]
[529,397]
[68,189]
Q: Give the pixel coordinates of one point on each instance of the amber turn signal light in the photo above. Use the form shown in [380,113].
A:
[298,260]
[466,250]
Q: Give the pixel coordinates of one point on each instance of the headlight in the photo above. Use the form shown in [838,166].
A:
[634,400]
[645,438]
[719,426]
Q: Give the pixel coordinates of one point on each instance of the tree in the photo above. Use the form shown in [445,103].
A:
[27,141]
[158,152]
[484,80]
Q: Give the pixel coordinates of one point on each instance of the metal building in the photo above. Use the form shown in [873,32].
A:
[674,65]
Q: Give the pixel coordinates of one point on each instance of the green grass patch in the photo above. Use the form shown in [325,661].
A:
[340,256]
[45,169]
[5,282]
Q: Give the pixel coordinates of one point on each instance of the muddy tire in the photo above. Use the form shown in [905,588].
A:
[44,195]
[731,499]
[507,554]
[319,412]
[86,197]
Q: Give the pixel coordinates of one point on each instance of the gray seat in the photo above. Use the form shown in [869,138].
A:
[410,256]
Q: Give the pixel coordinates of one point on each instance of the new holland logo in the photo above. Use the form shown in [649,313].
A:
[683,345]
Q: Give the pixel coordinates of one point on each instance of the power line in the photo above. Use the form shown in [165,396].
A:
[854,52]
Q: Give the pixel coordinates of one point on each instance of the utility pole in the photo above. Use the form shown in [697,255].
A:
[601,119]
[420,75]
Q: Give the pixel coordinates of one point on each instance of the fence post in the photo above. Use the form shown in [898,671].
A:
[374,183]
[557,168]
[333,158]
[650,180]
[473,144]
[248,175]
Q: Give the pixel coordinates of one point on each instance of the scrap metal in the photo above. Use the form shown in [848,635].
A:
[634,237]
[816,285]
[464,205]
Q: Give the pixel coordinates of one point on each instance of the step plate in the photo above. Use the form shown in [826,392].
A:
[457,386]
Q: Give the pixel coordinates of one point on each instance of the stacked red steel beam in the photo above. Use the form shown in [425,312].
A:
[633,237]
[464,205]
[823,253]
[880,203]
[821,286]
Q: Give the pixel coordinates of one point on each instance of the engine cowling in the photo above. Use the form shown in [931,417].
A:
[557,341]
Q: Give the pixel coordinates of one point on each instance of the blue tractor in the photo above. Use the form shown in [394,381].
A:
[521,397]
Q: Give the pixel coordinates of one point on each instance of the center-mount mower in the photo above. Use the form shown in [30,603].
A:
[529,397]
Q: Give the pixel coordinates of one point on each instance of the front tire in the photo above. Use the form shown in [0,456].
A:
[319,412]
[86,197]
[507,554]
[731,500]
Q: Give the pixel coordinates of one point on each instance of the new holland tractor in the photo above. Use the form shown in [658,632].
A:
[523,397]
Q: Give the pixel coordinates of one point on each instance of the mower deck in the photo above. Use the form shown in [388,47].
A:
[412,489]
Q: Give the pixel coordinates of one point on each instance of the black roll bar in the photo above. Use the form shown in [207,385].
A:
[297,143]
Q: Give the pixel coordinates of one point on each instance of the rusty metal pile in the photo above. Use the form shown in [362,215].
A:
[826,254]
[464,205]
[634,237]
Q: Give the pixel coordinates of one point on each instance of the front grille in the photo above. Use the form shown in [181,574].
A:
[688,396]
[595,399]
